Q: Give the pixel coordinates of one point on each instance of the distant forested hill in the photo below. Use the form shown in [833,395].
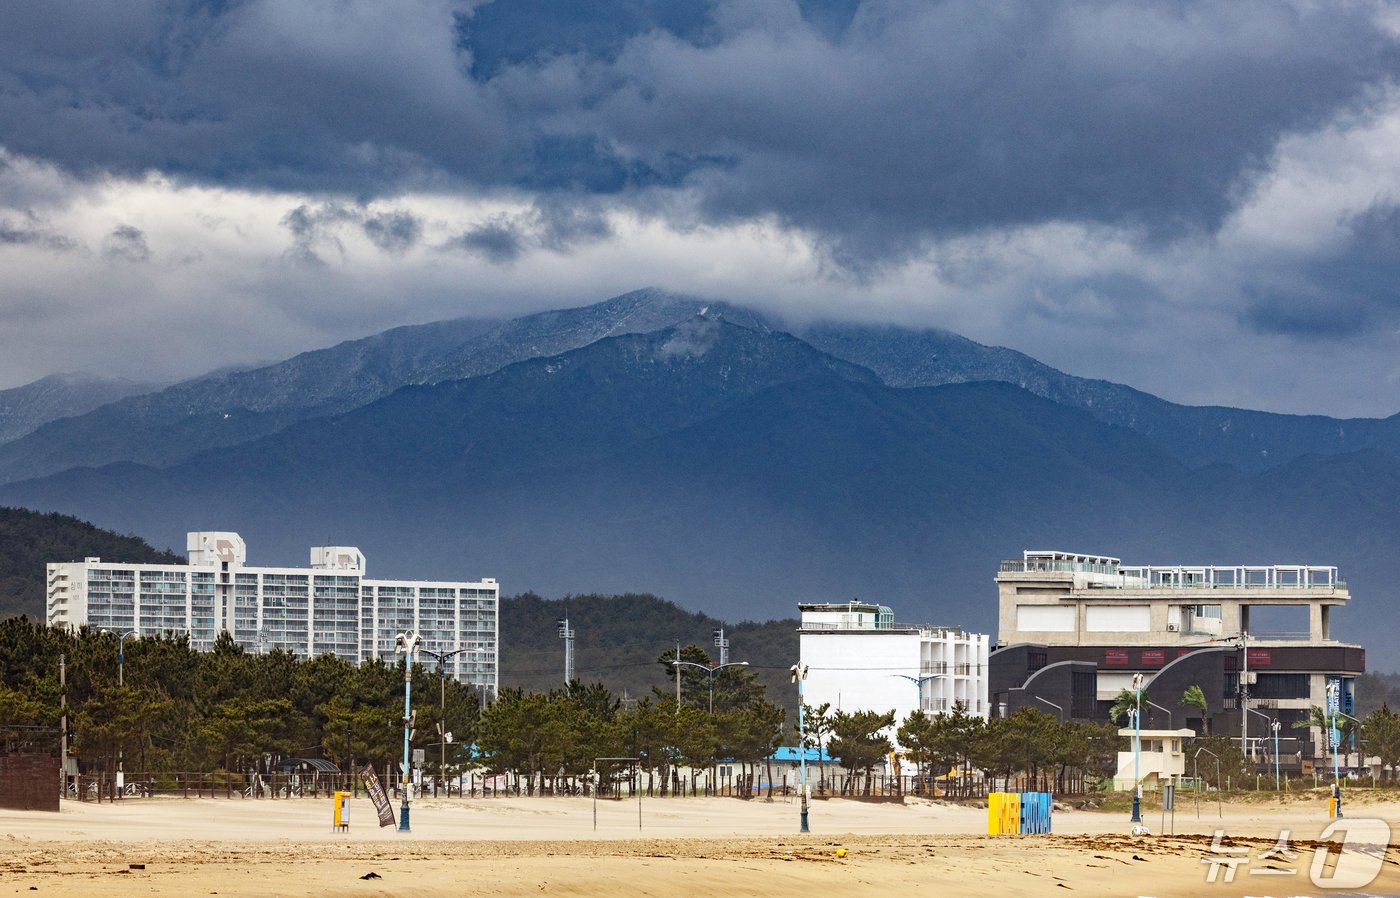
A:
[29,540]
[618,639]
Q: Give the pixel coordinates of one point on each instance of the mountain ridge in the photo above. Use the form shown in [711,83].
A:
[236,407]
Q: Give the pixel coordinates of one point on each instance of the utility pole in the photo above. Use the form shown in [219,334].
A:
[723,646]
[1244,695]
[677,666]
[566,633]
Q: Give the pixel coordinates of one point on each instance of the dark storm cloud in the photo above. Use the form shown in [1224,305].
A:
[498,241]
[314,228]
[126,244]
[1342,292]
[29,230]
[393,232]
[558,224]
[876,126]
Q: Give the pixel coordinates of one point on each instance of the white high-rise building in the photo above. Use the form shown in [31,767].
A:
[859,659]
[329,607]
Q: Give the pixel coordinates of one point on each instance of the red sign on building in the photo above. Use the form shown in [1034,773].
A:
[1260,657]
[1115,657]
[1153,657]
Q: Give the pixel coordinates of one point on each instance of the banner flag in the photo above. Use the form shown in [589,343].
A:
[376,795]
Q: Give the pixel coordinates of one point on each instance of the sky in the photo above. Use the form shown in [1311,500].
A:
[1199,199]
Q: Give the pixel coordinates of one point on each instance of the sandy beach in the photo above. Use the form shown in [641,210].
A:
[697,846]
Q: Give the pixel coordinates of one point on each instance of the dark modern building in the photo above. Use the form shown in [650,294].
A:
[1075,629]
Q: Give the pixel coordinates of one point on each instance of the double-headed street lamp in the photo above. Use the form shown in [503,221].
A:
[406,643]
[121,681]
[919,685]
[121,653]
[710,670]
[444,735]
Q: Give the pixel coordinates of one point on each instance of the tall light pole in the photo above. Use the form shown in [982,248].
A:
[406,643]
[566,633]
[121,653]
[1273,725]
[799,675]
[1137,750]
[121,682]
[1334,701]
[710,670]
[443,735]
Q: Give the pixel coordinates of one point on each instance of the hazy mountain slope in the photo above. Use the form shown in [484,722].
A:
[227,409]
[26,408]
[1197,435]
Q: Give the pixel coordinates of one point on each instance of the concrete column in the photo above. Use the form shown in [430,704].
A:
[1318,622]
[1229,618]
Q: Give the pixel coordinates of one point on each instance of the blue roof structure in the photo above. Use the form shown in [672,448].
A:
[791,754]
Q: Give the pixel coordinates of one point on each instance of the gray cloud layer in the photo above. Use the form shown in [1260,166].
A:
[876,126]
[1089,174]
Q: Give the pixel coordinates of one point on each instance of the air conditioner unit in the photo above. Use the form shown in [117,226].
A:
[1172,628]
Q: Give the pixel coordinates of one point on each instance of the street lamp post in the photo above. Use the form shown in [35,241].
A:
[1137,750]
[1219,783]
[1334,702]
[443,735]
[1273,725]
[919,685]
[710,670]
[1167,711]
[121,681]
[407,643]
[799,675]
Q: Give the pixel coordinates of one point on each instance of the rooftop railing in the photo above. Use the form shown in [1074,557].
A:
[1276,576]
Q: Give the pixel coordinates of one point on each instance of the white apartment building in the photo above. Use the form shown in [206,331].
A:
[330,607]
[859,659]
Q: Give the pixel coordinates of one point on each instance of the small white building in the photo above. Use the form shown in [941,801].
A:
[859,659]
[1163,757]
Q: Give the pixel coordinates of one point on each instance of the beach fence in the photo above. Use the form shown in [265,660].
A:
[1018,813]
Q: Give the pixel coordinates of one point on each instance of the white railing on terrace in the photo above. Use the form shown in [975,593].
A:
[1273,576]
[1018,565]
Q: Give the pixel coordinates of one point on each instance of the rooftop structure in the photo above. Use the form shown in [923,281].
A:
[328,607]
[1071,599]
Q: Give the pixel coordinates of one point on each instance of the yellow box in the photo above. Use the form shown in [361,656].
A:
[341,819]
